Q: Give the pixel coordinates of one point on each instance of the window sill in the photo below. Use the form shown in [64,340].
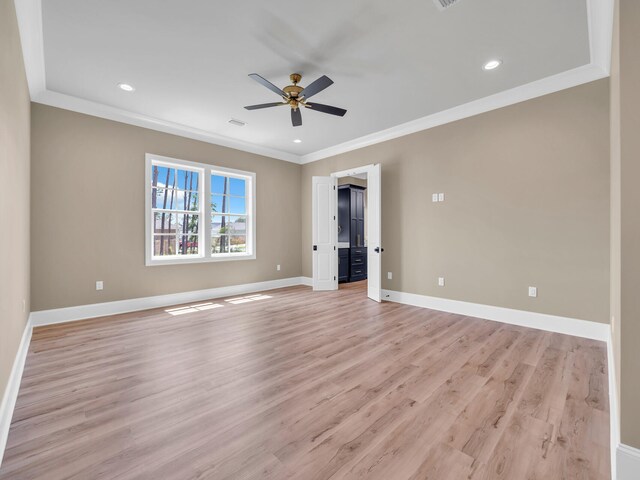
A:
[185,261]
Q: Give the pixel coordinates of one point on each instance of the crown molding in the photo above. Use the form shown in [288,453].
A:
[600,25]
[561,81]
[80,105]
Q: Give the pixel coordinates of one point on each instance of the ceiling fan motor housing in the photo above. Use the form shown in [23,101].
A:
[293,90]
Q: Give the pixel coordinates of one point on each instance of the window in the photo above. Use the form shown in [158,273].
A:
[197,212]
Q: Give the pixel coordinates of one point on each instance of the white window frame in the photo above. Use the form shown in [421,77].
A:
[204,254]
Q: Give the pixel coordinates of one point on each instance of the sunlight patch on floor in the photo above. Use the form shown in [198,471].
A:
[193,308]
[248,298]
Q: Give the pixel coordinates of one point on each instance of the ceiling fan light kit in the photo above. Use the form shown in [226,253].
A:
[296,96]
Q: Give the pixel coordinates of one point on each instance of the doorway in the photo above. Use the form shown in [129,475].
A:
[346,229]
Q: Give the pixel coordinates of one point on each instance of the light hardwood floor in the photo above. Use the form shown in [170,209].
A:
[292,384]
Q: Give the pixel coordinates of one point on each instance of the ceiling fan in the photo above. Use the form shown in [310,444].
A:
[296,96]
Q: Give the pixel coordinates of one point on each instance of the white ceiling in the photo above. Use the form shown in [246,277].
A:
[189,61]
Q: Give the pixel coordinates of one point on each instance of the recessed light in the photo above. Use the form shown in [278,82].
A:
[297,140]
[126,87]
[492,64]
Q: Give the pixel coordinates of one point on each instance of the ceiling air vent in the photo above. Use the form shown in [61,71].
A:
[444,4]
[237,123]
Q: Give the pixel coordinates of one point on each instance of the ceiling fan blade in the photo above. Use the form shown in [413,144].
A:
[265,105]
[268,84]
[296,117]
[316,87]
[326,109]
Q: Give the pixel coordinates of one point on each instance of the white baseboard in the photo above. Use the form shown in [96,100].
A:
[68,314]
[13,386]
[628,462]
[308,281]
[541,321]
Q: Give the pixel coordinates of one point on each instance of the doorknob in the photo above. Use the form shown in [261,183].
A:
[315,247]
[378,250]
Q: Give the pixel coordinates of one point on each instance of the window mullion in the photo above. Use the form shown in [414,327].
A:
[206,209]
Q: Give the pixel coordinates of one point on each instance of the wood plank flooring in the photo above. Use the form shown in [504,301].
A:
[290,384]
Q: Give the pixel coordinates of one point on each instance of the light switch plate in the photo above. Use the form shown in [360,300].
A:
[434,197]
[99,285]
[389,276]
[441,281]
[441,197]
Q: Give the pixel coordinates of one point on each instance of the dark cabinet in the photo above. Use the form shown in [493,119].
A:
[351,228]
[343,264]
[358,264]
[357,217]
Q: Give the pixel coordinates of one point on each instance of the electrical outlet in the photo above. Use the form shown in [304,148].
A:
[389,276]
[99,285]
[441,281]
[278,267]
[441,197]
[533,291]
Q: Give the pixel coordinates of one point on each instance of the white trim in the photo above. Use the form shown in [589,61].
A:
[628,462]
[29,15]
[600,26]
[353,171]
[68,314]
[614,424]
[554,83]
[68,102]
[13,386]
[541,321]
[600,21]
[307,281]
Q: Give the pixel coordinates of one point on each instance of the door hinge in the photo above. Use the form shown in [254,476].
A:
[334,277]
[334,187]
[334,247]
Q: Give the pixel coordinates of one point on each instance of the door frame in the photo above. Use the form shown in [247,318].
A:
[349,173]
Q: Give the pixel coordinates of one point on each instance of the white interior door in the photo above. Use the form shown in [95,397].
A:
[374,232]
[324,233]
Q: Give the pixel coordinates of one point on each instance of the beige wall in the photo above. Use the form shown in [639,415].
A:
[88,212]
[14,191]
[626,224]
[527,203]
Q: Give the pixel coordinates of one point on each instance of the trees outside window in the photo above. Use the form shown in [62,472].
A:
[183,228]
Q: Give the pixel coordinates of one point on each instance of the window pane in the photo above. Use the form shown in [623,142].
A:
[164,245]
[164,222]
[188,244]
[237,205]
[238,243]
[220,244]
[187,180]
[186,200]
[237,187]
[168,199]
[219,184]
[219,224]
[187,224]
[163,176]
[219,203]
[174,200]
[236,225]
